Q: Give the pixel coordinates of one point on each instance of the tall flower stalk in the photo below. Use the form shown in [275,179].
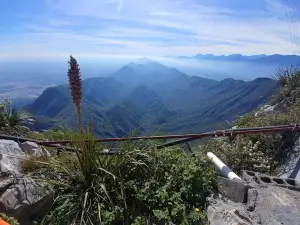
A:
[75,85]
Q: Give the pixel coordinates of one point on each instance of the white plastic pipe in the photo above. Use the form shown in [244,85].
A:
[224,170]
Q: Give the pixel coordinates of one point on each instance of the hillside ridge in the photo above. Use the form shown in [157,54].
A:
[179,100]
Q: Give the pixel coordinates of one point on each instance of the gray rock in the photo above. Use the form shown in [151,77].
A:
[26,128]
[268,205]
[34,149]
[279,107]
[28,121]
[21,197]
[265,109]
[251,199]
[24,199]
[276,205]
[10,155]
[291,169]
[222,211]
[234,190]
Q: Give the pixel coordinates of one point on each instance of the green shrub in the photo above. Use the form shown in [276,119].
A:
[263,152]
[136,185]
[258,152]
[58,133]
[289,93]
[241,154]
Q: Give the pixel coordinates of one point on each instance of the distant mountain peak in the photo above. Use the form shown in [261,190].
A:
[146,71]
[147,64]
[143,60]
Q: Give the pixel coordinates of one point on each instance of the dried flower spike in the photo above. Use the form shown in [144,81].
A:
[75,85]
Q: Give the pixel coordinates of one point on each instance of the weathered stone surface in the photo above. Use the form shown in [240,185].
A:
[10,154]
[276,205]
[21,197]
[266,205]
[251,199]
[24,199]
[291,169]
[265,109]
[32,148]
[234,190]
[222,211]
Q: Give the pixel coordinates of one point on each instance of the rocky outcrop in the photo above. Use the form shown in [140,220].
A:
[10,156]
[291,169]
[21,197]
[291,166]
[269,201]
[265,109]
[24,199]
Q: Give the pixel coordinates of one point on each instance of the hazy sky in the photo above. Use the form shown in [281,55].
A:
[56,28]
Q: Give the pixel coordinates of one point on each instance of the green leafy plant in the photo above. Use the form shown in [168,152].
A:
[139,183]
[10,116]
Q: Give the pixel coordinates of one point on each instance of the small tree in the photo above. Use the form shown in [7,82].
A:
[75,85]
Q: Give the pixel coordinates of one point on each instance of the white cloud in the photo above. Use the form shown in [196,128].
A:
[120,6]
[159,27]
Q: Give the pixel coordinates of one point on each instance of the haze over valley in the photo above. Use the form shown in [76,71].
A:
[26,82]
[178,66]
[148,96]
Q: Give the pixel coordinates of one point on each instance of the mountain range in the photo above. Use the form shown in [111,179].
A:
[150,97]
[23,81]
[262,58]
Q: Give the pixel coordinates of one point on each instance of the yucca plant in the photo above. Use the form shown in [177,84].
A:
[75,85]
[90,185]
[10,116]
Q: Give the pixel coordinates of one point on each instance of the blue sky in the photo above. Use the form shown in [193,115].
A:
[90,28]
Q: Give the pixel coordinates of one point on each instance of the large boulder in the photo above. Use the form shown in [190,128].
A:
[21,197]
[24,199]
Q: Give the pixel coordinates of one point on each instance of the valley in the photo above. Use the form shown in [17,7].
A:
[147,96]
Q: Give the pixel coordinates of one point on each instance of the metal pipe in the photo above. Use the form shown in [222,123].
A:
[184,138]
[218,133]
[224,170]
